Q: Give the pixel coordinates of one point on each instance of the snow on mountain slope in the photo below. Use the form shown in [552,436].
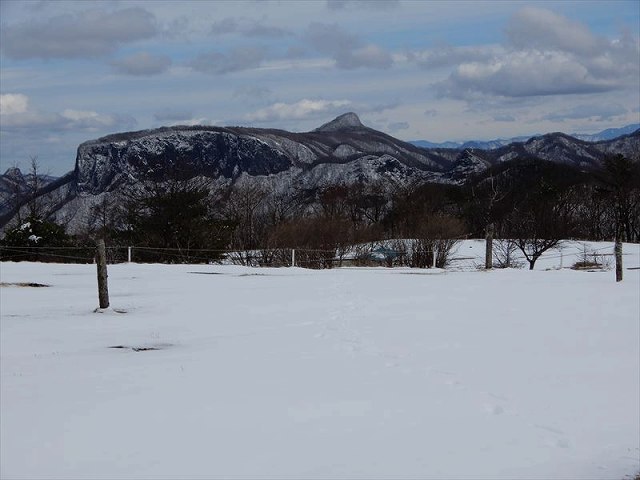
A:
[345,373]
[342,151]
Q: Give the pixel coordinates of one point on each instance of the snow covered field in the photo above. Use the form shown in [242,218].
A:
[344,373]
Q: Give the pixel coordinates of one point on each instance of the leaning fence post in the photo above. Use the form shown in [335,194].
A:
[293,257]
[101,262]
[128,254]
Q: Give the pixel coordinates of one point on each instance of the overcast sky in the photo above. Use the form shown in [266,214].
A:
[73,71]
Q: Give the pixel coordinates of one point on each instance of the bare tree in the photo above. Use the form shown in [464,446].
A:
[487,195]
[540,223]
[505,254]
[436,237]
[622,179]
[172,219]
[245,209]
[34,184]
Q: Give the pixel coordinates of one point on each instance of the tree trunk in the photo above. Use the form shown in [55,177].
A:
[488,257]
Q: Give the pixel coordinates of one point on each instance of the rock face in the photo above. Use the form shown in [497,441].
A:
[109,162]
[342,151]
[229,153]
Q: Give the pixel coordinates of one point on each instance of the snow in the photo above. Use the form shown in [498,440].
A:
[344,373]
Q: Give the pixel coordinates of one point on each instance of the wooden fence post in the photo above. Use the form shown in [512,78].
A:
[618,252]
[101,262]
[488,251]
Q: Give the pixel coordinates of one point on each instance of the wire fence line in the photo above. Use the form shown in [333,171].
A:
[398,252]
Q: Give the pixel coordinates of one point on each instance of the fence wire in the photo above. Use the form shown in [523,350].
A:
[364,254]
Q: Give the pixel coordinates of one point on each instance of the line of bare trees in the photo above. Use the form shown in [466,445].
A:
[532,203]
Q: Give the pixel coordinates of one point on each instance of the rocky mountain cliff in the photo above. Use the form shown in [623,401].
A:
[342,151]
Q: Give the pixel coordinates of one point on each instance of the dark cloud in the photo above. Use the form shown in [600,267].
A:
[599,112]
[169,115]
[249,28]
[238,59]
[398,126]
[544,30]
[362,4]
[90,33]
[259,30]
[252,93]
[142,64]
[381,107]
[370,56]
[295,52]
[225,26]
[504,118]
[330,39]
[345,48]
[179,27]
[447,56]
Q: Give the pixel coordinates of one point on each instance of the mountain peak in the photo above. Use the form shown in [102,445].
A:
[345,121]
[13,172]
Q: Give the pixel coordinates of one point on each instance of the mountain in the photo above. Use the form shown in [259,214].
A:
[15,185]
[428,144]
[608,134]
[342,151]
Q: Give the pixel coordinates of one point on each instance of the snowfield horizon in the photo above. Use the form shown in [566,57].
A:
[220,371]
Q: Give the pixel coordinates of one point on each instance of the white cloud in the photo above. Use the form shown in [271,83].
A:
[193,121]
[11,103]
[87,119]
[547,55]
[17,115]
[302,109]
[522,74]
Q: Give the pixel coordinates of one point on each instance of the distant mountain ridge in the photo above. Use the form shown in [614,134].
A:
[608,134]
[340,152]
